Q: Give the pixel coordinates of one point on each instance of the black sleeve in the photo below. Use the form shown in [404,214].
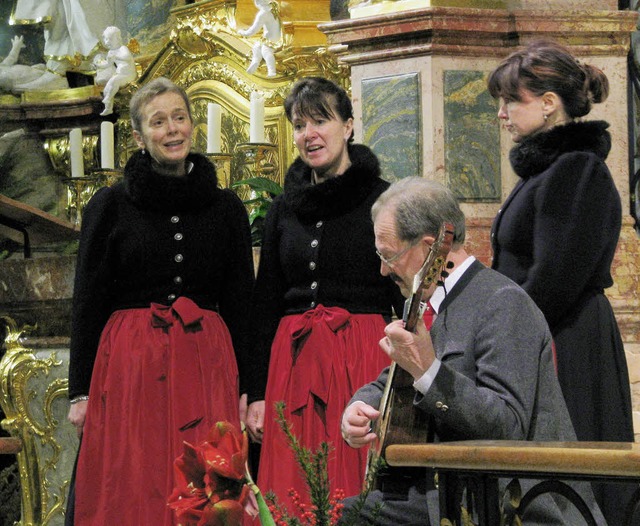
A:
[91,293]
[237,283]
[267,306]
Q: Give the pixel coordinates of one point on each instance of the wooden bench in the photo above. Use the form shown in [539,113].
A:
[28,225]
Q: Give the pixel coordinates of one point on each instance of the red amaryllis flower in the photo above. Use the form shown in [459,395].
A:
[210,479]
[226,451]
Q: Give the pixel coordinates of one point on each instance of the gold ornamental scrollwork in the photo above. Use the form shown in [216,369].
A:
[511,501]
[465,519]
[58,149]
[33,396]
[194,32]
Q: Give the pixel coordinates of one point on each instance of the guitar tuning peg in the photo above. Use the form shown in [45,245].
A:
[444,274]
[440,283]
[449,264]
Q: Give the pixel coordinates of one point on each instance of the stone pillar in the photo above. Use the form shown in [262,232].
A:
[420,101]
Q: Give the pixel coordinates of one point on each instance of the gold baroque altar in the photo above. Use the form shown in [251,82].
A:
[206,55]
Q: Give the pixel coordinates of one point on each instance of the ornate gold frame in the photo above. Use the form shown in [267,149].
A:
[33,396]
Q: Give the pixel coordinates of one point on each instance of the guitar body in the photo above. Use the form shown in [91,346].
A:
[400,421]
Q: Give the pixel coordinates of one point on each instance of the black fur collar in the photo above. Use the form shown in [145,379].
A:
[153,191]
[334,196]
[537,152]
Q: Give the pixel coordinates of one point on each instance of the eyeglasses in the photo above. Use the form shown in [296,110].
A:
[389,262]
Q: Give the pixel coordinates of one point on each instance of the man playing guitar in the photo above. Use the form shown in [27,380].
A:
[484,370]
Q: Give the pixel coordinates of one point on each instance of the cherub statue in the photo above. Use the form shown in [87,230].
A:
[115,70]
[268,20]
[12,73]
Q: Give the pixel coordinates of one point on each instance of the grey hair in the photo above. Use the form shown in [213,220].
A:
[421,206]
[151,91]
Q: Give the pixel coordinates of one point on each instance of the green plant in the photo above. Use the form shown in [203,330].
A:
[325,508]
[262,192]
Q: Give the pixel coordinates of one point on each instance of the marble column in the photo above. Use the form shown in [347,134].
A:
[420,101]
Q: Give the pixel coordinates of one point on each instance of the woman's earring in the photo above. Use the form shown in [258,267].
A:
[545,116]
[144,152]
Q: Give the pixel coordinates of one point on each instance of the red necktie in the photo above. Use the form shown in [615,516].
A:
[428,316]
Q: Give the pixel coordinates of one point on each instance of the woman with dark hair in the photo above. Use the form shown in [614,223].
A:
[557,232]
[159,313]
[320,304]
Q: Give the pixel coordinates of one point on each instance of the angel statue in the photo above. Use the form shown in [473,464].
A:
[116,70]
[267,19]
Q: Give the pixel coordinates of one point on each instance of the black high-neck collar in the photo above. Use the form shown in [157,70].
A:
[537,152]
[334,196]
[154,191]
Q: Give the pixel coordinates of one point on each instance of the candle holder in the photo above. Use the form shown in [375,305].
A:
[79,191]
[107,176]
[255,158]
[222,162]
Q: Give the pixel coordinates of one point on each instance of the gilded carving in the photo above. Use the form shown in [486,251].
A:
[58,149]
[33,396]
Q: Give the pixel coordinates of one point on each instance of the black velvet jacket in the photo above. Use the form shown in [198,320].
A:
[319,249]
[153,238]
[557,232]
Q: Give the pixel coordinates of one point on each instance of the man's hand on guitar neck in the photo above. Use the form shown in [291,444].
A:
[411,351]
[357,422]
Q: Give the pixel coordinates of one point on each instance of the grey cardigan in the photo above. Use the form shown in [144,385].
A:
[497,379]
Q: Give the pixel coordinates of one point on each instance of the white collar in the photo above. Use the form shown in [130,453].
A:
[449,282]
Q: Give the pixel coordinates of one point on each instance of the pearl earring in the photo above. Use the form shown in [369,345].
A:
[545,116]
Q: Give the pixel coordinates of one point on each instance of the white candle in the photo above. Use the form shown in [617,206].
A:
[256,117]
[75,152]
[106,145]
[214,128]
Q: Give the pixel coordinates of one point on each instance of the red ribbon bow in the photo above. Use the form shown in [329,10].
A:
[312,335]
[182,309]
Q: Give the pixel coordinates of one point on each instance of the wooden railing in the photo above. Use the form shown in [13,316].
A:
[480,463]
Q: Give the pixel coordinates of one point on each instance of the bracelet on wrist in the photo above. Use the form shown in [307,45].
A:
[81,398]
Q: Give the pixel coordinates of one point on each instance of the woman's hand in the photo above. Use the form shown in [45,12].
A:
[77,414]
[255,421]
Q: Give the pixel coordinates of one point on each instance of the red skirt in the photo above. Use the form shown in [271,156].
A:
[163,375]
[319,359]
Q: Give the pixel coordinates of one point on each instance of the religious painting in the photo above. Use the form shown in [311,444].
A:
[391,123]
[148,22]
[472,137]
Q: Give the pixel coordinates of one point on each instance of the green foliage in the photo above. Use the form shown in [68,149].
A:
[262,192]
[326,508]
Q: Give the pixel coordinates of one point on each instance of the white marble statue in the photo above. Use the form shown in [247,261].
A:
[12,73]
[69,36]
[116,69]
[268,20]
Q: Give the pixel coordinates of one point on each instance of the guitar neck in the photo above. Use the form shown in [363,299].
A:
[400,422]
[413,309]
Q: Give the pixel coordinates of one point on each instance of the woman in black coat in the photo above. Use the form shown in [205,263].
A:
[159,316]
[321,304]
[556,234]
